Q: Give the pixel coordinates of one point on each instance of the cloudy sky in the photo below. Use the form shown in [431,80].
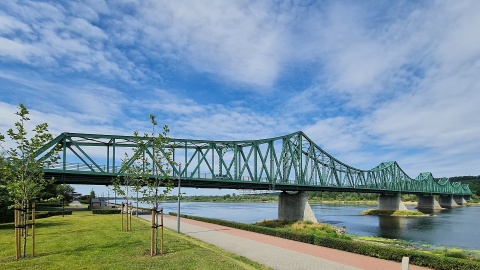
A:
[368,81]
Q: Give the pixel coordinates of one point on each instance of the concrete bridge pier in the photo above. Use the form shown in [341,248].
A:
[391,202]
[447,201]
[295,207]
[428,202]
[459,199]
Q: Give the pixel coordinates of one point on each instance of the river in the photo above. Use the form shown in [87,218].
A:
[458,227]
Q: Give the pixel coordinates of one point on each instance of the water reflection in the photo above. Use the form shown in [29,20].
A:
[432,211]
[389,225]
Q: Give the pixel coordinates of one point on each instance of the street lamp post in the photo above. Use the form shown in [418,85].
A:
[178,210]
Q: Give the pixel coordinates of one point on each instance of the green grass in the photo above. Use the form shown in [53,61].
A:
[87,241]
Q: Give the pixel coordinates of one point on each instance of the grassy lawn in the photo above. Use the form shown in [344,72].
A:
[86,241]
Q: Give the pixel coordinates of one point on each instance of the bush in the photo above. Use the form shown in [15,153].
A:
[7,214]
[106,211]
[419,258]
[456,255]
[45,214]
[40,205]
[86,201]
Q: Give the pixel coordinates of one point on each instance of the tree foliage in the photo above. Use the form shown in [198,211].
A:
[159,164]
[157,161]
[21,170]
[148,170]
[23,175]
[64,192]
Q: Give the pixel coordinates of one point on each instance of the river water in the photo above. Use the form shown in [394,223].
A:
[458,227]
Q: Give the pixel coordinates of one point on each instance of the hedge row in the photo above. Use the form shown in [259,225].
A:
[419,258]
[45,214]
[49,204]
[106,211]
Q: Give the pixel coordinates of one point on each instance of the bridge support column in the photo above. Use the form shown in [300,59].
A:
[459,199]
[390,202]
[446,201]
[295,207]
[428,202]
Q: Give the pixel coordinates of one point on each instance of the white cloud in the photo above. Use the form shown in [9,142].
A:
[237,40]
[343,138]
[369,82]
[11,49]
[49,37]
[8,25]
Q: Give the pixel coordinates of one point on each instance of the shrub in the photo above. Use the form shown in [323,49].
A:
[45,214]
[456,255]
[106,211]
[44,205]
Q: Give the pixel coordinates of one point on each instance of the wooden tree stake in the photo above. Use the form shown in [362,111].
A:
[161,224]
[17,232]
[152,240]
[33,229]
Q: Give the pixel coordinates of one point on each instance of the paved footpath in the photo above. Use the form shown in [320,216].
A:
[275,252]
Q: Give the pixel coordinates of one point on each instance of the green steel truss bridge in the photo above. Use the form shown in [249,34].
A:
[291,163]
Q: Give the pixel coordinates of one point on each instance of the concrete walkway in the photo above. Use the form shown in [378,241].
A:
[75,203]
[276,252]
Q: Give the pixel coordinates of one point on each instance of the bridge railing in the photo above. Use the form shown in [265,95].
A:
[80,167]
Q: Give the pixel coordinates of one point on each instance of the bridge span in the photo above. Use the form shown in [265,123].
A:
[291,162]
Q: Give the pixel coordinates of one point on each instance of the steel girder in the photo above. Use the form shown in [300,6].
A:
[290,162]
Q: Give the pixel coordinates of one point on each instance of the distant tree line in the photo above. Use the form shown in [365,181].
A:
[472,181]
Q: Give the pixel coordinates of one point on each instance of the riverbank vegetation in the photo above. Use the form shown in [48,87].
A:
[86,241]
[472,181]
[306,227]
[393,213]
[313,197]
[435,260]
[439,250]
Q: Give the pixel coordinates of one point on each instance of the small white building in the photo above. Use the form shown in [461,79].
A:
[98,203]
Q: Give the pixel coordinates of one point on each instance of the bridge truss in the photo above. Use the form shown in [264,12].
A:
[292,162]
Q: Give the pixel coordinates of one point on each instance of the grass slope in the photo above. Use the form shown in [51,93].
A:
[87,241]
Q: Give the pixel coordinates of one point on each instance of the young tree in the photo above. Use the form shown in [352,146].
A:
[132,179]
[23,174]
[64,193]
[158,164]
[92,194]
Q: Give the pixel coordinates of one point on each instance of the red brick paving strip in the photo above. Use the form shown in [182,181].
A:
[338,256]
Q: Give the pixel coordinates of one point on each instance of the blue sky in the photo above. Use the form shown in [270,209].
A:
[368,81]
